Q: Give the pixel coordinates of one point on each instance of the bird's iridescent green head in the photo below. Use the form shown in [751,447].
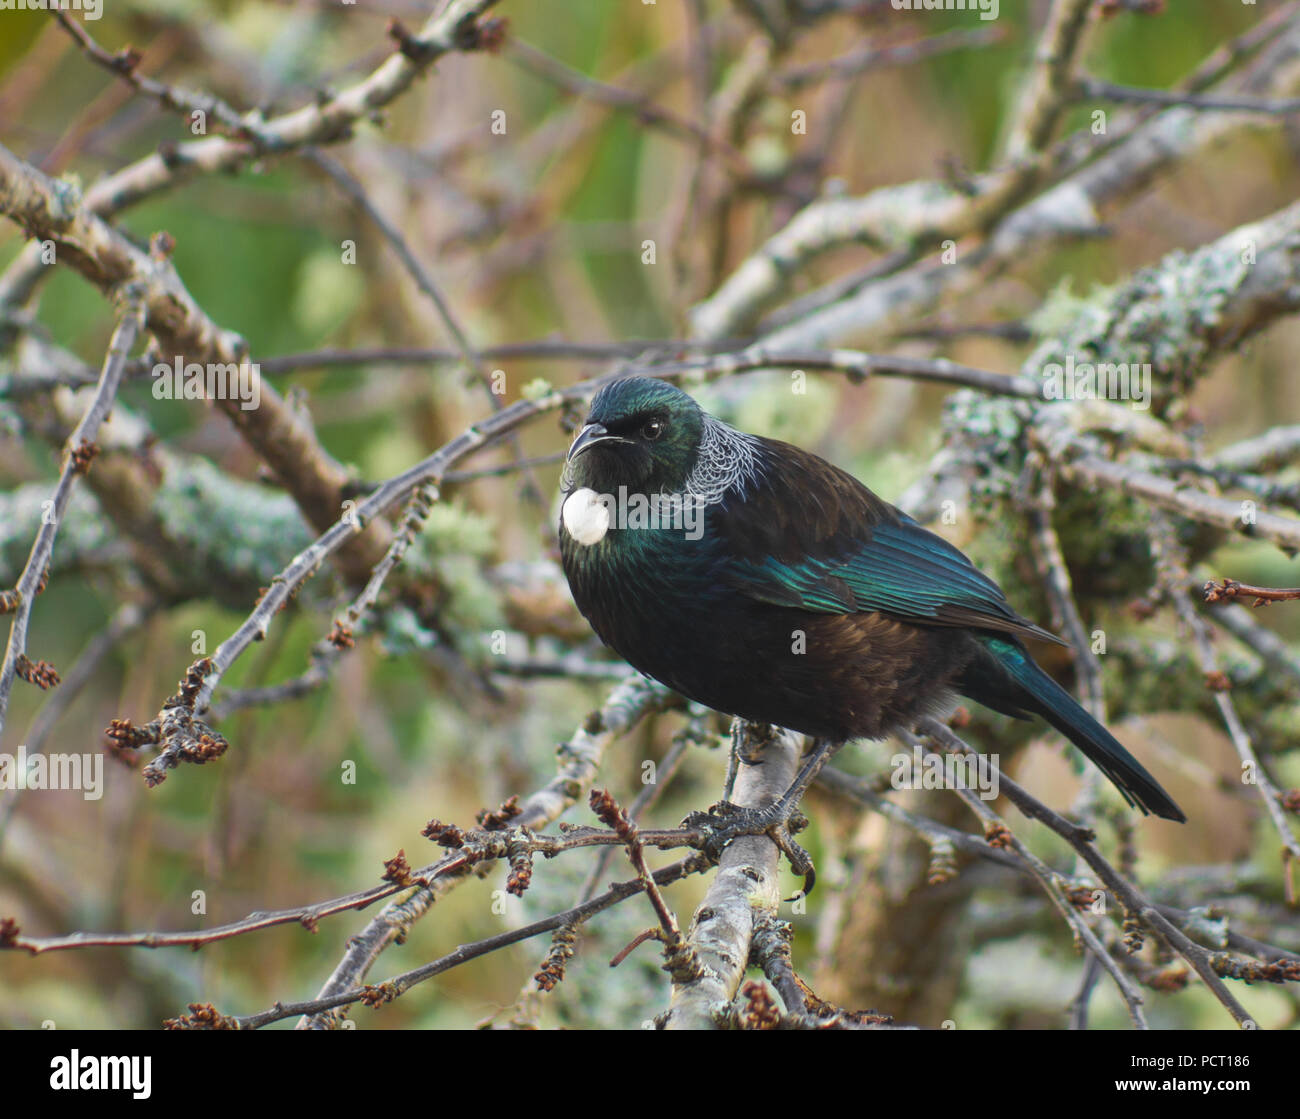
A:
[640,433]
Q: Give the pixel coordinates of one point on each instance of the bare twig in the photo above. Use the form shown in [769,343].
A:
[1046,92]
[125,64]
[609,812]
[1273,449]
[639,104]
[864,61]
[78,452]
[1228,589]
[1109,91]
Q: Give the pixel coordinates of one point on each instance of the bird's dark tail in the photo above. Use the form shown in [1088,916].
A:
[1007,680]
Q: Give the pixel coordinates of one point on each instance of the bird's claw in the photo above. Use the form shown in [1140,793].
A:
[724,821]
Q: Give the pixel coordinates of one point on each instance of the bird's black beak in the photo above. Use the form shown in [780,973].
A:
[589,436]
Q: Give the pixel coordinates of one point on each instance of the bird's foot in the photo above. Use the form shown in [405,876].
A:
[724,822]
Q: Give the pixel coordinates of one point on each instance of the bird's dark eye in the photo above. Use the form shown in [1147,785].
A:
[652,429]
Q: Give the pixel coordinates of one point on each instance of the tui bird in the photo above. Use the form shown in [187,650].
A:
[757,579]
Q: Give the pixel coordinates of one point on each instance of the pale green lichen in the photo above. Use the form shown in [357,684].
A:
[232,531]
[1165,316]
[234,536]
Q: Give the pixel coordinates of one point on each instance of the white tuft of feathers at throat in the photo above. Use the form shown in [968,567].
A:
[585,516]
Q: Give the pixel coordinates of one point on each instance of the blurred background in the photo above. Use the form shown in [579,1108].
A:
[527,179]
